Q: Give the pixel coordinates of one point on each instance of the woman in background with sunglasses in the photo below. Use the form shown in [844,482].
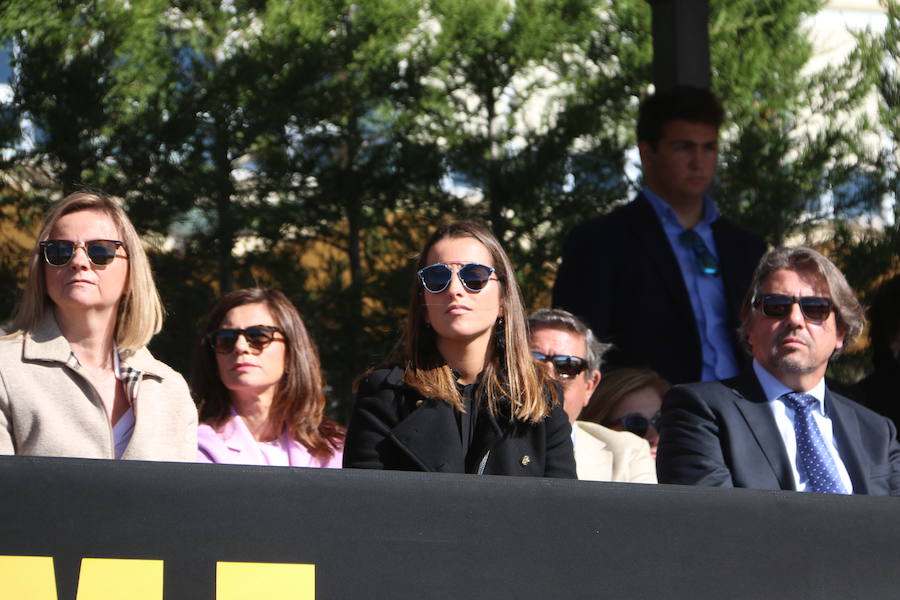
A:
[629,400]
[76,377]
[260,387]
[461,393]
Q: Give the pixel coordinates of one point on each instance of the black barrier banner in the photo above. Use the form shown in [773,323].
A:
[95,530]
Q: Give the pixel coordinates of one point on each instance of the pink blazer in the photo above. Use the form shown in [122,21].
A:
[235,445]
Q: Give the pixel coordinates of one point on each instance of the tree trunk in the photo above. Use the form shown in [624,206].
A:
[226,224]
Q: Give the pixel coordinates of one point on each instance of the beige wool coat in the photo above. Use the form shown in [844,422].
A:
[49,408]
[602,454]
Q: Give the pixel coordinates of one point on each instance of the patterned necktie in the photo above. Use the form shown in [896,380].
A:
[812,455]
[706,260]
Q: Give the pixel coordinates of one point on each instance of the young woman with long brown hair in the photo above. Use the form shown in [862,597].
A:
[462,392]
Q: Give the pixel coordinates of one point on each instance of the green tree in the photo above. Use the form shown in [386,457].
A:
[869,256]
[530,100]
[348,165]
[59,63]
[795,133]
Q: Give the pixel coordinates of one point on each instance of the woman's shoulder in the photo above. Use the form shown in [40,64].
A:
[21,347]
[389,377]
[214,433]
[11,342]
[384,392]
[142,360]
[11,352]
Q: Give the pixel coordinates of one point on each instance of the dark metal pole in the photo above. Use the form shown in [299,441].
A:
[680,43]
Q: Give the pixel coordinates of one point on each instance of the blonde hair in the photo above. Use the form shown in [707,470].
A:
[140,313]
[617,384]
[510,373]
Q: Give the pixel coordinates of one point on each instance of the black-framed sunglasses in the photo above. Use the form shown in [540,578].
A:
[222,341]
[566,366]
[637,423]
[59,253]
[474,276]
[778,306]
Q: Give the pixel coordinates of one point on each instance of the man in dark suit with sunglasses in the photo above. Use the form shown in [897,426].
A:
[777,425]
[662,277]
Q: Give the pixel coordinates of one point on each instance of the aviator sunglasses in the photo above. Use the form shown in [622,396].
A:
[778,306]
[258,337]
[637,423]
[565,366]
[436,278]
[59,253]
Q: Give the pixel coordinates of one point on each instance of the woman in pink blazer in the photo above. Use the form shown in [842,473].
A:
[259,384]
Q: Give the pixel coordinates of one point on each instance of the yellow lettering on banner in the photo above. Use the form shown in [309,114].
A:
[29,577]
[265,581]
[117,578]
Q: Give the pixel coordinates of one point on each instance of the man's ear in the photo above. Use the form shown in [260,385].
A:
[647,152]
[592,379]
[839,338]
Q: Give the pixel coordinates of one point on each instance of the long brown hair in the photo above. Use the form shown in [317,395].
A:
[140,313]
[509,372]
[299,400]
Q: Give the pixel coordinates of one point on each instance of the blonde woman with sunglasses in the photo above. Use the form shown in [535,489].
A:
[462,394]
[75,377]
[260,387]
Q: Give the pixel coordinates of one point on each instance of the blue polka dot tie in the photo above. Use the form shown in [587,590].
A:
[813,457]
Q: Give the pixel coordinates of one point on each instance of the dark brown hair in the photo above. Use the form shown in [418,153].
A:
[299,401]
[680,103]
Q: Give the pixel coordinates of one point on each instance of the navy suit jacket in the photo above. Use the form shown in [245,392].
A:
[620,275]
[724,434]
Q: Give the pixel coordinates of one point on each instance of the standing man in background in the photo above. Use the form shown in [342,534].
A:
[662,278]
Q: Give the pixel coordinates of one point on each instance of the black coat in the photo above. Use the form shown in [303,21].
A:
[394,427]
[724,434]
[620,274]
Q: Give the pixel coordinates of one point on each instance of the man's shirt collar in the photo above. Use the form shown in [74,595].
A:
[774,389]
[667,214]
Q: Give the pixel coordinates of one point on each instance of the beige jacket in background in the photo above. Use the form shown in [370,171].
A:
[48,408]
[602,454]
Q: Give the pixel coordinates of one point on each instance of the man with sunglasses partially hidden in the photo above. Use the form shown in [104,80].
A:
[778,425]
[662,277]
[573,355]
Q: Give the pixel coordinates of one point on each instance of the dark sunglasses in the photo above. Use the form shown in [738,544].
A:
[565,366]
[778,306]
[706,260]
[58,253]
[436,278]
[637,423]
[222,341]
